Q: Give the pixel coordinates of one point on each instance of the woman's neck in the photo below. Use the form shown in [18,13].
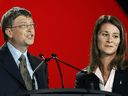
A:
[106,59]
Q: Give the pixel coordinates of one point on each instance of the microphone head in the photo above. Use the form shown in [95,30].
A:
[41,55]
[53,55]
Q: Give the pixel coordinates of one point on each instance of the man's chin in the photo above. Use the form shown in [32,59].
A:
[28,44]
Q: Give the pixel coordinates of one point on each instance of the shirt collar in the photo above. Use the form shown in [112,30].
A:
[99,75]
[15,52]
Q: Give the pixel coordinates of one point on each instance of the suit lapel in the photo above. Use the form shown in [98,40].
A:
[34,63]
[117,84]
[118,81]
[95,81]
[9,64]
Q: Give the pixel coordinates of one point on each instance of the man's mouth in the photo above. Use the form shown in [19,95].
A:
[29,36]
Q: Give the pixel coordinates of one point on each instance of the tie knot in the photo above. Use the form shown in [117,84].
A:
[22,57]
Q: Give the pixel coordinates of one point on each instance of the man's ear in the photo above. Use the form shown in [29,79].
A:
[8,32]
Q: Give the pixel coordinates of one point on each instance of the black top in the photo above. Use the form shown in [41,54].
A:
[83,80]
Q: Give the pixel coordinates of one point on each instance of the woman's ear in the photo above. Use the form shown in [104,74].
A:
[8,32]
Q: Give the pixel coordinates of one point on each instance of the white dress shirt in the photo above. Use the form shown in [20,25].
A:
[16,55]
[109,84]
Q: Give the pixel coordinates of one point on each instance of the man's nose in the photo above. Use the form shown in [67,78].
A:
[30,28]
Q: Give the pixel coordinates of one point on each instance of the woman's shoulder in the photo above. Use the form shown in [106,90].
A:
[126,65]
[81,74]
[123,67]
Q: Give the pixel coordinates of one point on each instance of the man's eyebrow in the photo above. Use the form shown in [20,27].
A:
[23,22]
[26,22]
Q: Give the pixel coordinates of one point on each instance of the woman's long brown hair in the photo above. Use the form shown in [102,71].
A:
[120,59]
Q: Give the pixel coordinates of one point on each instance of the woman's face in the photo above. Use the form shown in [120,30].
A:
[108,39]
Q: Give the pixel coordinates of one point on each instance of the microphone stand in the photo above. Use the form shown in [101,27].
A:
[33,81]
[48,59]
[71,66]
[92,85]
[60,72]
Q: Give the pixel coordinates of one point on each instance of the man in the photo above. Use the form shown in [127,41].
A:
[18,29]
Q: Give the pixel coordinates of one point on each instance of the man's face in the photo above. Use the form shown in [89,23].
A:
[22,37]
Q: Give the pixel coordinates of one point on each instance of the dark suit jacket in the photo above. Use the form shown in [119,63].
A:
[10,78]
[120,84]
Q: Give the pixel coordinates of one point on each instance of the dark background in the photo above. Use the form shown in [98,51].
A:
[123,5]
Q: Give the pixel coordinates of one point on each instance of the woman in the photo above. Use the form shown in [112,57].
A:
[107,70]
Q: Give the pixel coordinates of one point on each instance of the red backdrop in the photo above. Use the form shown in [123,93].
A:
[65,27]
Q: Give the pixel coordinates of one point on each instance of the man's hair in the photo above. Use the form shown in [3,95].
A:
[120,59]
[10,16]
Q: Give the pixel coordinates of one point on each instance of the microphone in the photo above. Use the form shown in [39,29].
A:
[42,56]
[45,60]
[33,81]
[54,56]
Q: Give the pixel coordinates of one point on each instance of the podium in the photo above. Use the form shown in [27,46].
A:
[65,92]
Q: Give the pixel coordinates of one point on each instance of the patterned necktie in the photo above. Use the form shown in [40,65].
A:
[24,72]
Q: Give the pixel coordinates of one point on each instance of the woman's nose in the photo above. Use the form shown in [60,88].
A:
[110,39]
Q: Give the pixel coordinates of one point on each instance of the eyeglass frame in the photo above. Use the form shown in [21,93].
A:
[26,26]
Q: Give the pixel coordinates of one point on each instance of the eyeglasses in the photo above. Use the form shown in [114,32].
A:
[23,26]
